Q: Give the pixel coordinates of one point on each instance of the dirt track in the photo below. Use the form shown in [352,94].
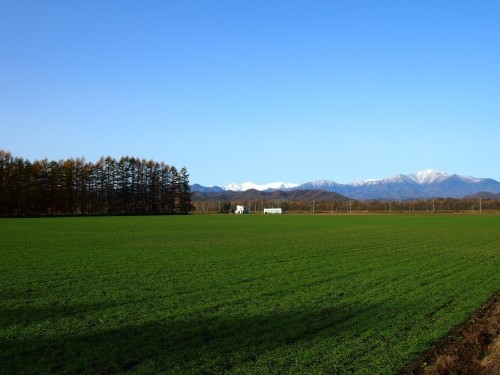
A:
[473,348]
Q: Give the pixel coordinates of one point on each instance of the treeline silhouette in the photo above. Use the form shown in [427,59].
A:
[437,205]
[129,186]
[256,201]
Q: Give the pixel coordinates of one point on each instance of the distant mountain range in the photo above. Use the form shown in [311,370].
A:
[255,195]
[424,184]
[273,186]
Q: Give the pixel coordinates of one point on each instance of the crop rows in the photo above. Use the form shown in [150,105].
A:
[238,294]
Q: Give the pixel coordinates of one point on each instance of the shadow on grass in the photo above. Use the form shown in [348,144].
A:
[214,344]
[29,314]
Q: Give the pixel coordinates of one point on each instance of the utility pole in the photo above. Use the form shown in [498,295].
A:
[480,206]
[432,205]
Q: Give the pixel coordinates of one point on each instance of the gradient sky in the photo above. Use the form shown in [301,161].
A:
[258,91]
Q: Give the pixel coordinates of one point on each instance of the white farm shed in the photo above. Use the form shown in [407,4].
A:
[273,210]
[241,210]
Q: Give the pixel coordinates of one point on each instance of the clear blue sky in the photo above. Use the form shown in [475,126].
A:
[257,91]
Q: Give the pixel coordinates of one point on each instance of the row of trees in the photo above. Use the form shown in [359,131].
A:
[129,186]
[346,206]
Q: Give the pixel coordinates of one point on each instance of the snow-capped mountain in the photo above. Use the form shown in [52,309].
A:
[428,176]
[428,183]
[423,184]
[266,187]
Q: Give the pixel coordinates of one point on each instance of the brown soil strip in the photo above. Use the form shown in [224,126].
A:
[472,349]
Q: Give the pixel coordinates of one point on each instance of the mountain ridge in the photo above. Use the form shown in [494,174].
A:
[428,183]
[253,195]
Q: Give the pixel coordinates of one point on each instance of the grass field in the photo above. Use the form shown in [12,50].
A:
[239,294]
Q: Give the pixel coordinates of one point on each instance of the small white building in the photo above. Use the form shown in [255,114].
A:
[241,210]
[273,211]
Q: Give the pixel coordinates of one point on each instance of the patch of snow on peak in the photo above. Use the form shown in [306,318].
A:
[429,176]
[357,183]
[233,187]
[397,179]
[250,185]
[280,185]
[369,181]
[471,179]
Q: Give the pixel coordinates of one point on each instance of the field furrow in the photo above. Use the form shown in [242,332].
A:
[238,294]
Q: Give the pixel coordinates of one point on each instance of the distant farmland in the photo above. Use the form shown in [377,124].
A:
[238,294]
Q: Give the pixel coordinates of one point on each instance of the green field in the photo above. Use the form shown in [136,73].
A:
[238,294]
